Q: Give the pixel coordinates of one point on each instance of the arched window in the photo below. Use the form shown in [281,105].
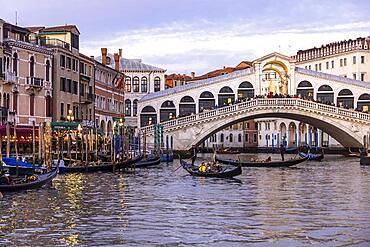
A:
[157,84]
[240,138]
[245,90]
[231,137]
[363,102]
[345,98]
[47,71]
[305,84]
[325,94]
[226,96]
[186,106]
[222,137]
[15,64]
[206,101]
[134,108]
[135,84]
[167,111]
[128,107]
[32,66]
[305,90]
[148,116]
[144,84]
[128,84]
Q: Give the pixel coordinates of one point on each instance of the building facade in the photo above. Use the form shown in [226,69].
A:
[26,91]
[109,96]
[139,79]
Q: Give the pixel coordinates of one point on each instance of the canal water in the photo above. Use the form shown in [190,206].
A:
[316,203]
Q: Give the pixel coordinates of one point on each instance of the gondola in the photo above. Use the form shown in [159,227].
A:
[150,161]
[226,172]
[24,168]
[285,163]
[315,157]
[40,181]
[102,167]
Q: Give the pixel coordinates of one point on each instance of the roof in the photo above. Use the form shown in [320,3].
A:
[131,65]
[196,84]
[34,29]
[274,54]
[64,28]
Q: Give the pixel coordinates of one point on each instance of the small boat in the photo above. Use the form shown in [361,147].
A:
[96,167]
[25,184]
[285,163]
[227,151]
[24,168]
[315,157]
[150,161]
[226,172]
[353,154]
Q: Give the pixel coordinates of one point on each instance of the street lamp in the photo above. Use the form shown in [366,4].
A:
[70,117]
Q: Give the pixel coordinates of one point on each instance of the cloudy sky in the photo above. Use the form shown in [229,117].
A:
[197,35]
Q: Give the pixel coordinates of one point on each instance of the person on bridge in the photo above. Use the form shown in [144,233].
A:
[282,151]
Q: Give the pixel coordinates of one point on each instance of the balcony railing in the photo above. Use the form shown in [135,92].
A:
[6,115]
[46,42]
[35,82]
[87,98]
[10,77]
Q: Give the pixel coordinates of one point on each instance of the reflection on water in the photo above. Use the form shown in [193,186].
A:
[325,203]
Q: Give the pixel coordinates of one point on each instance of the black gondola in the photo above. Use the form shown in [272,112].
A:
[226,172]
[40,181]
[315,157]
[285,163]
[103,167]
[151,161]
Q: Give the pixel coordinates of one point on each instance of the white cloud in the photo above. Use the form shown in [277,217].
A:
[182,47]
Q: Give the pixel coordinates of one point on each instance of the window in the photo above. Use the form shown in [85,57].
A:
[134,108]
[69,86]
[354,59]
[32,104]
[73,64]
[48,106]
[62,84]
[62,109]
[254,137]
[75,88]
[62,61]
[135,84]
[309,66]
[222,137]
[345,61]
[362,76]
[341,62]
[247,125]
[47,71]
[316,67]
[128,107]
[319,66]
[332,64]
[231,137]
[157,84]
[69,63]
[128,84]
[327,65]
[144,84]
[240,138]
[82,68]
[354,76]
[32,66]
[246,138]
[15,63]
[362,59]
[75,41]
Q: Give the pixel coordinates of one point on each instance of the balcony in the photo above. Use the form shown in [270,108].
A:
[50,43]
[6,116]
[87,98]
[9,77]
[34,82]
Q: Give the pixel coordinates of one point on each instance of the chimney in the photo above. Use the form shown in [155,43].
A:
[116,61]
[120,52]
[104,56]
[192,75]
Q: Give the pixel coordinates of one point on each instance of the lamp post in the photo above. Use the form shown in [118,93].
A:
[70,118]
[120,134]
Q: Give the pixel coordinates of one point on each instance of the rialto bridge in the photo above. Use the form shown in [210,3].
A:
[193,112]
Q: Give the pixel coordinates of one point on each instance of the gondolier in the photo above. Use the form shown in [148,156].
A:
[282,151]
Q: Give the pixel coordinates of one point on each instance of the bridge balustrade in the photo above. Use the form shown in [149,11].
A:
[254,104]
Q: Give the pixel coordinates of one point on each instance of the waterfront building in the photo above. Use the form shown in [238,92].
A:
[73,91]
[348,58]
[109,96]
[139,79]
[26,89]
